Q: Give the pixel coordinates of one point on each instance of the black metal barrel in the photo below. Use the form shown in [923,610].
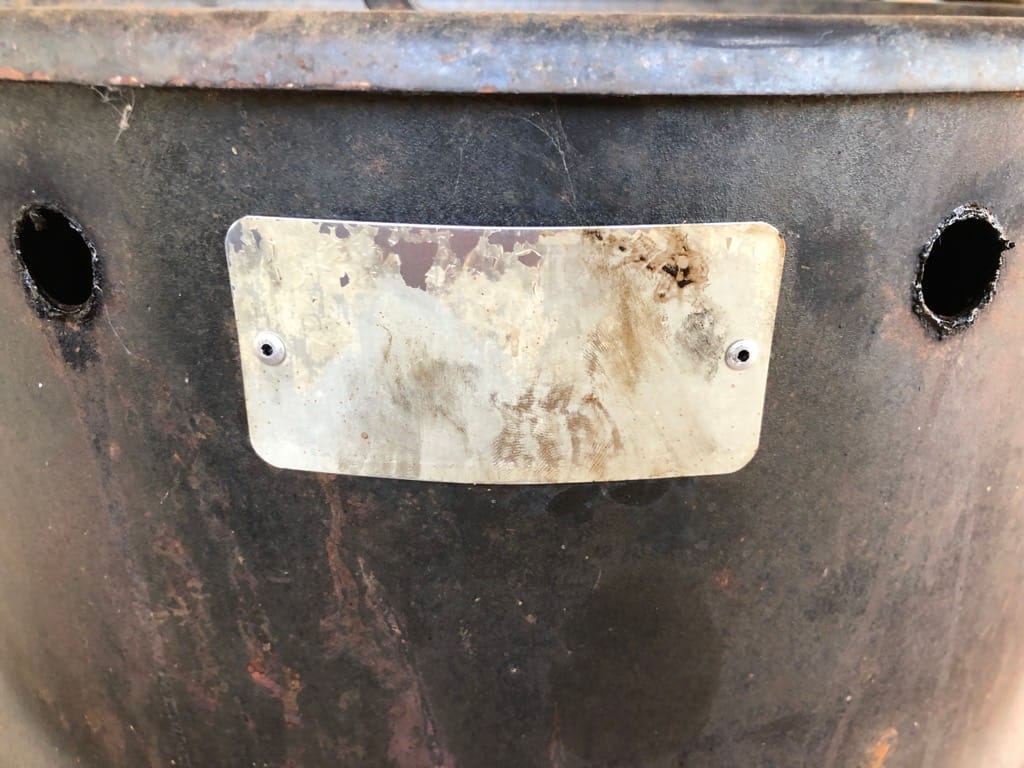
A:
[852,597]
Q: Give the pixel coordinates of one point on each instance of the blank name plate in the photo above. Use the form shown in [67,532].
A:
[496,355]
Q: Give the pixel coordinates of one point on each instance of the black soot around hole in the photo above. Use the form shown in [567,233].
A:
[59,261]
[960,268]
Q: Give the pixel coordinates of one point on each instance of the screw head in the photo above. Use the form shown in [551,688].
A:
[270,348]
[741,354]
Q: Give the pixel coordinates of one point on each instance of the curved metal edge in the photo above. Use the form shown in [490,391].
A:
[514,53]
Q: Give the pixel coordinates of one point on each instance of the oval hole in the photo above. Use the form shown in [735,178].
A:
[959,269]
[59,261]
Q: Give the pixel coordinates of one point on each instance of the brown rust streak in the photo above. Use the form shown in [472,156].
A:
[674,264]
[364,627]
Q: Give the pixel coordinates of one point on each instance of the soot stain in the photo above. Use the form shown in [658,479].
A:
[76,343]
[576,503]
[702,341]
[642,668]
[638,493]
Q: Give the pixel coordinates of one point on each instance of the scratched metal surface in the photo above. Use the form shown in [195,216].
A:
[852,597]
[504,355]
[779,48]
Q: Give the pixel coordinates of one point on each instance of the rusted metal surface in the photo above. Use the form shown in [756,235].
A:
[852,597]
[499,355]
[628,54]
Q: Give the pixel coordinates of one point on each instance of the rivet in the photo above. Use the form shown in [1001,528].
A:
[741,354]
[270,348]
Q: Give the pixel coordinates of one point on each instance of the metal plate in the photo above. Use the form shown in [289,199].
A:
[485,355]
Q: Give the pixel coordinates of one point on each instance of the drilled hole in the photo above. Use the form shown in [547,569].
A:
[267,350]
[59,262]
[743,355]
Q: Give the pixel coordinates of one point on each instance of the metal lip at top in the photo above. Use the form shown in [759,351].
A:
[596,54]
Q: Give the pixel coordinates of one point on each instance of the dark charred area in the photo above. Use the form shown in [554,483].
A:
[76,341]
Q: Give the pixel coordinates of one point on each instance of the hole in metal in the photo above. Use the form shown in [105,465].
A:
[741,354]
[270,348]
[59,263]
[959,269]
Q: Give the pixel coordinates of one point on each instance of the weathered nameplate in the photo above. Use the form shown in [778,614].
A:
[481,355]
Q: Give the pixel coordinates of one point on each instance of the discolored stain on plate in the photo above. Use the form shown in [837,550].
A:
[494,355]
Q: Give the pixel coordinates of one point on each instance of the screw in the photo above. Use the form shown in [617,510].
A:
[270,348]
[741,354]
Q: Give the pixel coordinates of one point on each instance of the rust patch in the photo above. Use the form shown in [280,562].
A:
[881,750]
[365,629]
[9,73]
[674,264]
[288,693]
[625,344]
[671,262]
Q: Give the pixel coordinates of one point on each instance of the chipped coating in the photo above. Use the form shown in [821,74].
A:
[504,356]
